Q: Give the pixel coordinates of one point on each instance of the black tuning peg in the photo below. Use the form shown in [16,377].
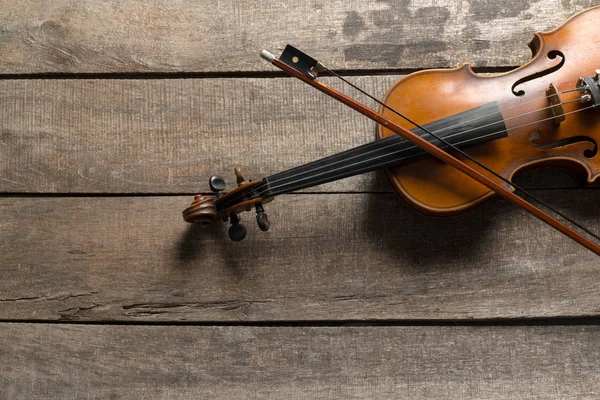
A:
[237,231]
[216,183]
[261,218]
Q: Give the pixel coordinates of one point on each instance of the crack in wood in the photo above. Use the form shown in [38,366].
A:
[69,314]
[47,298]
[146,309]
[357,297]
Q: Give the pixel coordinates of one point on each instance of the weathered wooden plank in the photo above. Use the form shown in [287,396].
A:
[166,136]
[76,36]
[169,136]
[132,362]
[327,257]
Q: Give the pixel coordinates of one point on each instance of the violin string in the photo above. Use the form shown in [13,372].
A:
[477,162]
[379,150]
[515,186]
[568,91]
[448,128]
[344,167]
[271,188]
[264,189]
[260,191]
[437,132]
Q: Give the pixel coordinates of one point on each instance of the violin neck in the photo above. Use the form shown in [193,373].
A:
[479,125]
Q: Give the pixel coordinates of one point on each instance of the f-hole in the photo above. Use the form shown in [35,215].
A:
[564,142]
[551,55]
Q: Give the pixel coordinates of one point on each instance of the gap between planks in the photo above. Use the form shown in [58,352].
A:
[559,321]
[232,74]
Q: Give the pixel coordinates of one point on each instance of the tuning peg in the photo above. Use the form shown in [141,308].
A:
[216,183]
[237,231]
[239,176]
[262,218]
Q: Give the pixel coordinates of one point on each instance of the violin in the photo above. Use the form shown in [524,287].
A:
[449,139]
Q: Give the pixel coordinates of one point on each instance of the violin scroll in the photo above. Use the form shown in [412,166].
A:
[206,209]
[202,211]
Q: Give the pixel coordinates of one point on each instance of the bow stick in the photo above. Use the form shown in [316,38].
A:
[302,66]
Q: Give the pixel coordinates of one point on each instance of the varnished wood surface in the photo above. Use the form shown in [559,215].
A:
[438,188]
[356,257]
[133,362]
[124,36]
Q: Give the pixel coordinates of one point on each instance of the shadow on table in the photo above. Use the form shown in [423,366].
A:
[418,239]
[197,242]
[408,237]
[494,225]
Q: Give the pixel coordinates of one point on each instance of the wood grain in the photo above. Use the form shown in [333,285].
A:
[133,362]
[354,256]
[327,257]
[131,36]
[169,136]
[165,136]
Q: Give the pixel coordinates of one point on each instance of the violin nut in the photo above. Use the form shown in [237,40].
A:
[202,211]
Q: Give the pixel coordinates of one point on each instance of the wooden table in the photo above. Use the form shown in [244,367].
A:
[114,113]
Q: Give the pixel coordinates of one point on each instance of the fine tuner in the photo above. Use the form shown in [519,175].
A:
[590,88]
[450,139]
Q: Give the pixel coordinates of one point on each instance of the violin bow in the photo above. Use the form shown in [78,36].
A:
[300,65]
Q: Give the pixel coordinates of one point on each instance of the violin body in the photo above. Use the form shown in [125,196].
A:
[543,127]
